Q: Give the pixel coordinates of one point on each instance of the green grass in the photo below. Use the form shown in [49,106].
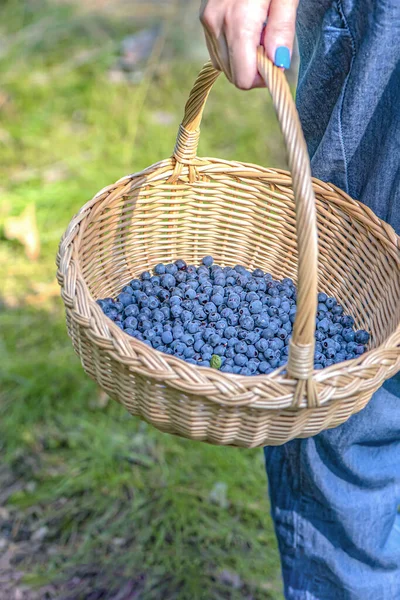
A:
[116,495]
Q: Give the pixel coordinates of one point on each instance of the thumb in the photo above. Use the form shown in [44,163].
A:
[280,31]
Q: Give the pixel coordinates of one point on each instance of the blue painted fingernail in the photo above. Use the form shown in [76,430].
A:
[282,57]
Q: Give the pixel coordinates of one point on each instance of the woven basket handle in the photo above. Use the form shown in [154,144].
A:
[301,352]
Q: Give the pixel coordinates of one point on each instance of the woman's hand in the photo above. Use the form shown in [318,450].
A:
[234,29]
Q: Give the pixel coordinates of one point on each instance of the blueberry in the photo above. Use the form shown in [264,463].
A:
[153,302]
[180,264]
[187,339]
[322,297]
[217,299]
[157,315]
[241,347]
[132,310]
[262,320]
[131,323]
[233,301]
[319,358]
[261,345]
[193,327]
[252,337]
[143,325]
[240,360]
[176,311]
[335,329]
[207,349]
[203,298]
[171,269]
[178,332]
[129,331]
[251,351]
[214,339]
[282,334]
[168,281]
[149,334]
[264,367]
[285,306]
[276,344]
[258,273]
[274,327]
[190,294]
[180,277]
[220,350]
[330,302]
[187,305]
[322,307]
[273,292]
[252,366]
[209,308]
[163,295]
[199,314]
[347,321]
[269,355]
[159,269]
[360,349]
[221,325]
[207,333]
[323,325]
[125,298]
[198,344]
[348,334]
[247,323]
[351,347]
[268,334]
[318,366]
[255,307]
[136,284]
[166,311]
[179,349]
[362,336]
[207,261]
[158,328]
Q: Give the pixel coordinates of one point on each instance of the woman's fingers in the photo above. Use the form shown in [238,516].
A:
[234,28]
[280,30]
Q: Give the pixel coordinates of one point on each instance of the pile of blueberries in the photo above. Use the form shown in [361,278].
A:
[228,318]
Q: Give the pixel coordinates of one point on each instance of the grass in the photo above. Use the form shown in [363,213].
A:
[122,503]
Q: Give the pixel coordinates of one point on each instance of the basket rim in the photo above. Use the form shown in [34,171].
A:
[249,390]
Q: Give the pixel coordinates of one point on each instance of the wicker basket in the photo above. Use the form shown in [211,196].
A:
[187,207]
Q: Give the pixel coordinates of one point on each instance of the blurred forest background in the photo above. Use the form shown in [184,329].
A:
[93,503]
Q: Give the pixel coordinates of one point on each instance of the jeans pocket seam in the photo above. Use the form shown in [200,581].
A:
[340,127]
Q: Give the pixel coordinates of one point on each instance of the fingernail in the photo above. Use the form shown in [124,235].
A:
[282,57]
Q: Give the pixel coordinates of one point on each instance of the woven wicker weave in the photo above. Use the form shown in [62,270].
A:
[187,207]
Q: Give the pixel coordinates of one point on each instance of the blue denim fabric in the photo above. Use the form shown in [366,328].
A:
[334,497]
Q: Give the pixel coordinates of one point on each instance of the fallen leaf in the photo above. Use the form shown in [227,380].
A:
[24,229]
[218,494]
[230,578]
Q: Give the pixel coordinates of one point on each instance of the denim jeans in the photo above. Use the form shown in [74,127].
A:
[335,497]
